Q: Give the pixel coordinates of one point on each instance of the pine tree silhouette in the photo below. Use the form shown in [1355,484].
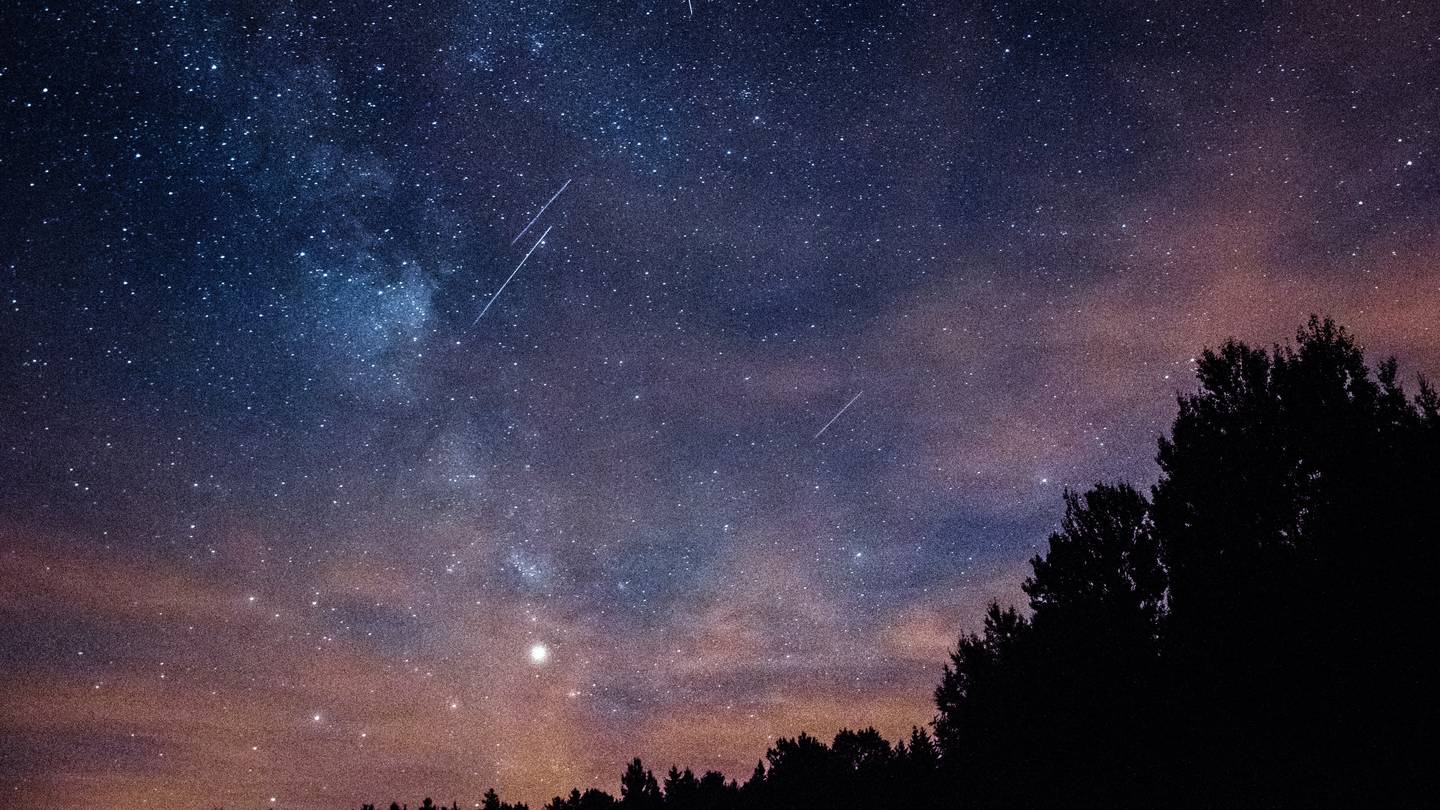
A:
[638,788]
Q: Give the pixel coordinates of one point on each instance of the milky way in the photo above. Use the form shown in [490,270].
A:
[284,519]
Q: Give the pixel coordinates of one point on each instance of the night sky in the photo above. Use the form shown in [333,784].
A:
[838,299]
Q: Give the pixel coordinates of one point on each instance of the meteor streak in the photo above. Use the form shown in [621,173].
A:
[541,211]
[512,273]
[836,416]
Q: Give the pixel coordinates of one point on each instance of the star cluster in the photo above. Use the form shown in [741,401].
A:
[336,469]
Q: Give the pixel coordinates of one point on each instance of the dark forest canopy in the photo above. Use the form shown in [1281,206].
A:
[1250,634]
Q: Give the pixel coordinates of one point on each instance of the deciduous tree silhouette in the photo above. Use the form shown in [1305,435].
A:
[714,793]
[1296,490]
[1222,648]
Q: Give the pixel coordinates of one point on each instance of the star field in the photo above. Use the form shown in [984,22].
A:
[765,405]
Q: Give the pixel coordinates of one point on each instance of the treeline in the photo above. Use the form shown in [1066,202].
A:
[859,769]
[1253,632]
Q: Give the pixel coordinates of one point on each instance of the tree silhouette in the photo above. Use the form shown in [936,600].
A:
[1185,653]
[914,776]
[713,792]
[591,799]
[682,789]
[1093,651]
[801,772]
[1293,484]
[638,788]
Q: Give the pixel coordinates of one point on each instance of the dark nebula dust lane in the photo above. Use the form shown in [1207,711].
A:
[411,398]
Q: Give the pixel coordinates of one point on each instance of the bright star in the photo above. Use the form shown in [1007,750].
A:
[539,653]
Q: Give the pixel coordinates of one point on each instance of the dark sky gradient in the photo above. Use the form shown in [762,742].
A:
[281,518]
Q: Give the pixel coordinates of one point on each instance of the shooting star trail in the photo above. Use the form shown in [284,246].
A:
[512,275]
[836,416]
[541,211]
[692,7]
